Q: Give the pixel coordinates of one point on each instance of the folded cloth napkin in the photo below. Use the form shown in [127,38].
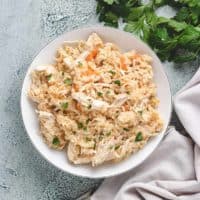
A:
[173,170]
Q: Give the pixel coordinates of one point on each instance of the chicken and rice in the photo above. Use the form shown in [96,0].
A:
[96,101]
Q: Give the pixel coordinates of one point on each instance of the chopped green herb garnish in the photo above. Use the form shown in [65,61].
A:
[89,106]
[68,81]
[139,137]
[125,129]
[56,141]
[80,64]
[128,92]
[87,139]
[80,125]
[140,112]
[108,134]
[112,72]
[94,146]
[117,147]
[100,137]
[87,121]
[108,92]
[100,94]
[49,77]
[63,73]
[117,82]
[64,105]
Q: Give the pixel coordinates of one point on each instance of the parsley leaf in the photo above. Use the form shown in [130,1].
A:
[80,64]
[56,141]
[177,26]
[87,139]
[110,2]
[80,125]
[112,72]
[136,13]
[139,137]
[138,28]
[68,81]
[64,105]
[49,77]
[191,3]
[100,94]
[188,35]
[108,92]
[108,134]
[117,82]
[140,112]
[89,106]
[111,19]
[175,39]
[87,121]
[117,147]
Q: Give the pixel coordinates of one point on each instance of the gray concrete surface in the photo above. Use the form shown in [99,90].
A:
[25,27]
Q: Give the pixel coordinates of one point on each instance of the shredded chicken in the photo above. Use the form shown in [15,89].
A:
[95,100]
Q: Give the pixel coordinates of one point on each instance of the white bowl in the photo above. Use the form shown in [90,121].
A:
[126,42]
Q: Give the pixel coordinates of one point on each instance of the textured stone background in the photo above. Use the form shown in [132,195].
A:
[25,27]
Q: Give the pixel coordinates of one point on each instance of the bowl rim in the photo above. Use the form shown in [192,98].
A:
[25,126]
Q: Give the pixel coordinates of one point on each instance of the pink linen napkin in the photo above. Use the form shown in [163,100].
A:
[172,172]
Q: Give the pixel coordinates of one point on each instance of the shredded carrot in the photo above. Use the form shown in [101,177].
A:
[76,87]
[92,54]
[122,63]
[126,107]
[89,72]
[78,106]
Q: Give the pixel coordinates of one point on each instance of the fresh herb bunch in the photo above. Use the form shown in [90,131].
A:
[176,39]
